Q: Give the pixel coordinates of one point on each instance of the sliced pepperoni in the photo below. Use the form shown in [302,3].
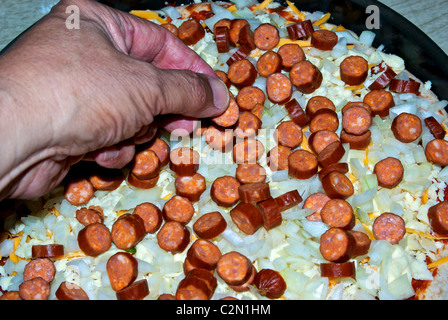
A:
[136,291]
[277,158]
[88,216]
[34,289]
[296,112]
[270,62]
[404,86]
[94,239]
[290,54]
[70,291]
[362,243]
[337,185]
[173,237]
[317,103]
[278,88]
[356,104]
[235,28]
[270,283]
[305,76]
[146,165]
[222,23]
[178,209]
[222,39]
[191,31]
[406,127]
[224,191]
[246,286]
[435,127]
[166,296]
[288,200]
[380,101]
[10,295]
[438,217]
[254,192]
[204,254]
[199,284]
[79,191]
[384,79]
[266,36]
[246,38]
[324,39]
[324,119]
[247,151]
[337,245]
[223,76]
[219,138]
[172,28]
[338,213]
[319,140]
[289,134]
[47,250]
[249,97]
[341,167]
[258,110]
[338,270]
[389,172]
[240,54]
[210,225]
[242,73]
[234,268]
[302,164]
[271,213]
[247,217]
[250,173]
[142,184]
[184,161]
[127,231]
[331,154]
[106,179]
[357,142]
[300,30]
[39,267]
[190,187]
[316,201]
[390,227]
[354,70]
[436,151]
[122,270]
[356,120]
[151,216]
[247,126]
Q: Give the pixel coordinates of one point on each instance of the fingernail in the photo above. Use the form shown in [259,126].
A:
[221,96]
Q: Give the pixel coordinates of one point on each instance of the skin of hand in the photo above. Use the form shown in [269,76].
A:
[93,93]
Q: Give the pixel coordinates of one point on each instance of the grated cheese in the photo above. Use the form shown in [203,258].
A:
[302,43]
[148,15]
[295,10]
[263,5]
[322,20]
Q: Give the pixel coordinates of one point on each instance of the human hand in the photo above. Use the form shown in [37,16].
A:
[93,93]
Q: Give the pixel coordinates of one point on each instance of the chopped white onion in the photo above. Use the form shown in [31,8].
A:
[367,37]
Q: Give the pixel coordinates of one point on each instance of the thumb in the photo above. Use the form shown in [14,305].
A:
[184,92]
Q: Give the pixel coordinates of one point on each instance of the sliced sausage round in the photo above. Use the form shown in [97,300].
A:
[106,179]
[434,126]
[278,88]
[230,116]
[224,191]
[234,268]
[338,270]
[270,283]
[302,164]
[247,217]
[190,187]
[146,165]
[319,140]
[178,209]
[173,237]
[210,225]
[39,267]
[151,216]
[305,76]
[250,173]
[247,151]
[223,76]
[161,149]
[222,39]
[300,30]
[47,250]
[235,27]
[337,185]
[242,73]
[266,36]
[341,167]
[436,151]
[277,158]
[406,127]
[191,31]
[184,161]
[438,217]
[356,120]
[219,138]
[404,86]
[338,213]
[324,39]
[254,192]
[354,70]
[122,270]
[70,291]
[380,101]
[288,200]
[270,62]
[271,213]
[248,97]
[324,119]
[136,291]
[290,53]
[172,28]
[142,184]
[390,227]
[79,191]
[34,289]
[316,201]
[204,254]
[127,231]
[331,154]
[337,245]
[389,172]
[296,112]
[362,242]
[88,216]
[94,239]
[317,103]
[357,142]
[247,126]
[289,134]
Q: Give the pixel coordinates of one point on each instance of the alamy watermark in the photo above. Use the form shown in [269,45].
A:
[73,20]
[373,21]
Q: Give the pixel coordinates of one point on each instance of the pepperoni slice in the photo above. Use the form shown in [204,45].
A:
[390,227]
[302,164]
[337,185]
[270,62]
[406,127]
[316,201]
[249,97]
[338,213]
[289,134]
[266,36]
[151,216]
[337,245]
[178,209]
[190,187]
[224,191]
[324,39]
[210,225]
[389,172]
[247,217]
[380,101]
[354,70]
[290,54]
[356,120]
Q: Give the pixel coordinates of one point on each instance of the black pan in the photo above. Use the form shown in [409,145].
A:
[422,56]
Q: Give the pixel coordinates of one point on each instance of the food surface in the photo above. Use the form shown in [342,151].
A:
[324,179]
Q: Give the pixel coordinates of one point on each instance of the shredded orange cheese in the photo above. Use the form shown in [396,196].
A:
[263,5]
[232,8]
[340,28]
[437,263]
[302,43]
[367,230]
[148,15]
[425,235]
[295,10]
[322,20]
[13,257]
[168,196]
